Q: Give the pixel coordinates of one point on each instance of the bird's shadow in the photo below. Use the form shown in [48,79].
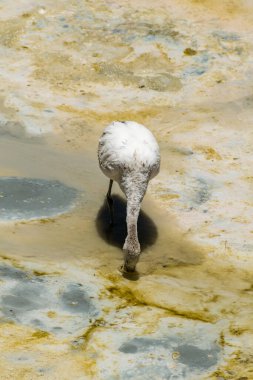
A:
[116,234]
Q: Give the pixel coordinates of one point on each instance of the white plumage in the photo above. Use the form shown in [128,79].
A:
[129,154]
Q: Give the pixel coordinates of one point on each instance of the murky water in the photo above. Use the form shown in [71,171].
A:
[184,70]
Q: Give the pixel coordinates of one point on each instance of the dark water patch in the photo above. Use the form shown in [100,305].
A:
[202,192]
[204,58]
[194,71]
[27,299]
[148,31]
[194,357]
[189,357]
[226,36]
[30,198]
[37,323]
[197,193]
[129,348]
[24,297]
[77,300]
[11,273]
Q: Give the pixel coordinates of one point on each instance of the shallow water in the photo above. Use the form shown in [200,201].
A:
[67,70]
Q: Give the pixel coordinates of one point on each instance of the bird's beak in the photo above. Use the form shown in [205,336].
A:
[130,262]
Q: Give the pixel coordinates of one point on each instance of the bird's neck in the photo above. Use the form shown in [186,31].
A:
[134,186]
[133,210]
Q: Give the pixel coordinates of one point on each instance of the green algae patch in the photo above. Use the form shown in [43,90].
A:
[240,366]
[238,330]
[168,197]
[125,294]
[156,296]
[225,8]
[11,261]
[88,346]
[106,117]
[51,314]
[222,340]
[190,51]
[47,220]
[20,341]
[85,338]
[39,273]
[40,334]
[203,292]
[118,287]
[10,32]
[175,302]
[209,152]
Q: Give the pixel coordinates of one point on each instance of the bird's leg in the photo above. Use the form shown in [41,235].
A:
[110,202]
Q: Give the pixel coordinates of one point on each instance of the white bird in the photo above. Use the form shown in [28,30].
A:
[128,153]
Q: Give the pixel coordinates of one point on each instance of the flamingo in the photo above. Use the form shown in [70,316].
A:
[128,153]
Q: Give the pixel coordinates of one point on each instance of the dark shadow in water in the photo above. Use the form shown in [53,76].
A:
[116,234]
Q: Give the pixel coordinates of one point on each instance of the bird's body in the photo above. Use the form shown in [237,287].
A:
[129,154]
